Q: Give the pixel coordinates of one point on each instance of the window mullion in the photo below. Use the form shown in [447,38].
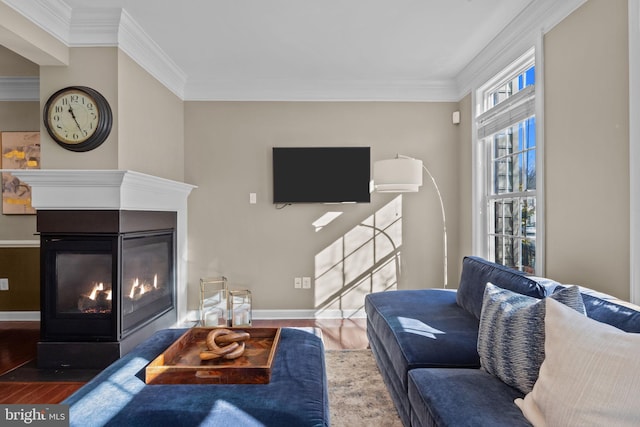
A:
[507,132]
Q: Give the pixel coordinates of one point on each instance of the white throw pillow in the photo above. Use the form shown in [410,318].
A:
[590,376]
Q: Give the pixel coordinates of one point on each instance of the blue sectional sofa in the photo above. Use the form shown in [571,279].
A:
[425,343]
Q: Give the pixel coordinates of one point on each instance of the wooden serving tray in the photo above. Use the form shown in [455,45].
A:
[181,364]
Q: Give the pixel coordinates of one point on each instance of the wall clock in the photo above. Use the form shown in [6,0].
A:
[78,118]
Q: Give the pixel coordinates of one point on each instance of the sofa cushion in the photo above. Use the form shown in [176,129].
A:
[462,397]
[296,395]
[511,334]
[590,376]
[608,309]
[477,272]
[422,328]
[397,390]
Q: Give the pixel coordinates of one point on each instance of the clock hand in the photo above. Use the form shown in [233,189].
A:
[74,118]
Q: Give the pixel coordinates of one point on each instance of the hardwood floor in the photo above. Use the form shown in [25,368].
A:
[338,334]
[18,346]
[17,343]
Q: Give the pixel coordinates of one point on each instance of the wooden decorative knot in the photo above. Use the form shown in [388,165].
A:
[224,343]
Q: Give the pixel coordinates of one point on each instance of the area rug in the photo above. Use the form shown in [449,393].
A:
[357,394]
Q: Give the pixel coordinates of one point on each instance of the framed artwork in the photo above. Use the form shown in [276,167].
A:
[20,150]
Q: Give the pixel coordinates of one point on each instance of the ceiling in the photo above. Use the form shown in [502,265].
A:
[225,45]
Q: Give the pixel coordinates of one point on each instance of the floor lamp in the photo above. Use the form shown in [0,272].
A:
[404,175]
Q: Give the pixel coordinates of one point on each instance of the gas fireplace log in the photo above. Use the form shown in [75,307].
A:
[100,305]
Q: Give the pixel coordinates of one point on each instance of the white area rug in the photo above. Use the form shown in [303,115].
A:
[357,394]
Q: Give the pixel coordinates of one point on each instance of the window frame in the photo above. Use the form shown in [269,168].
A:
[481,152]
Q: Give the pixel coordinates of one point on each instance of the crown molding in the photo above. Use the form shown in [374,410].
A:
[321,90]
[114,27]
[90,27]
[53,16]
[19,89]
[537,18]
[94,27]
[136,43]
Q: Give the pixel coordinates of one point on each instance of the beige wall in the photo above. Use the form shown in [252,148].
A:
[150,125]
[13,65]
[18,116]
[587,148]
[24,37]
[228,155]
[147,134]
[98,69]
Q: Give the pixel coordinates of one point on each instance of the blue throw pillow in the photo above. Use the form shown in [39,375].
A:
[511,333]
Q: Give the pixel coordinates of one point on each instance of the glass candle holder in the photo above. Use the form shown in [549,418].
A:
[214,303]
[240,307]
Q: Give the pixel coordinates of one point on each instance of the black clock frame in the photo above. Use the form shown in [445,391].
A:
[103,128]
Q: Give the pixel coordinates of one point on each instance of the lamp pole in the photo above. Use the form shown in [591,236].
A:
[444,222]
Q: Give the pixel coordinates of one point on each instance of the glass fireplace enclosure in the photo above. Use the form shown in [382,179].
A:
[105,287]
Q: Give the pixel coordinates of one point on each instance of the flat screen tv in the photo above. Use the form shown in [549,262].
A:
[321,174]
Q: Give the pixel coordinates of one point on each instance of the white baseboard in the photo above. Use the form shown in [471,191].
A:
[20,316]
[308,314]
[19,243]
[193,315]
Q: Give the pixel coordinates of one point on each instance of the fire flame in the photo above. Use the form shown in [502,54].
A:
[133,289]
[138,288]
[97,288]
[96,301]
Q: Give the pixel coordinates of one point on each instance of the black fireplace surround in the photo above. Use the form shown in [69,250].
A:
[107,282]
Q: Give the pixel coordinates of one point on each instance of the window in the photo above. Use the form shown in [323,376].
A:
[507,137]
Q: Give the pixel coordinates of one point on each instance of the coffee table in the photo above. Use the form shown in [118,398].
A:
[296,395]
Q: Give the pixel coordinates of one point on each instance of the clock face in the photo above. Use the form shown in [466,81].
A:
[77,118]
[73,116]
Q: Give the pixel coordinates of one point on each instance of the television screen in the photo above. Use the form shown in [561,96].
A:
[321,174]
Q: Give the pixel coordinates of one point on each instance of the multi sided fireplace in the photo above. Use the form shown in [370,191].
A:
[107,283]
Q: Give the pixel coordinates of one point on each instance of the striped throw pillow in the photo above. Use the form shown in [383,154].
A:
[511,333]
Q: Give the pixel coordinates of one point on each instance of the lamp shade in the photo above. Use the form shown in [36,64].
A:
[400,175]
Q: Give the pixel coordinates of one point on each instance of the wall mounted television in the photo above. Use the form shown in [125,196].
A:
[321,174]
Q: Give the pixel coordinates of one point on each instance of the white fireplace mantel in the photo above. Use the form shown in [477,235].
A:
[102,189]
[57,189]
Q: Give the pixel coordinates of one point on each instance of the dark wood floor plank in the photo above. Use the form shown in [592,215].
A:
[37,393]
[18,344]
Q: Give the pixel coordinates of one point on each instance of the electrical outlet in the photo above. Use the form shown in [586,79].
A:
[297,283]
[4,284]
[306,283]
